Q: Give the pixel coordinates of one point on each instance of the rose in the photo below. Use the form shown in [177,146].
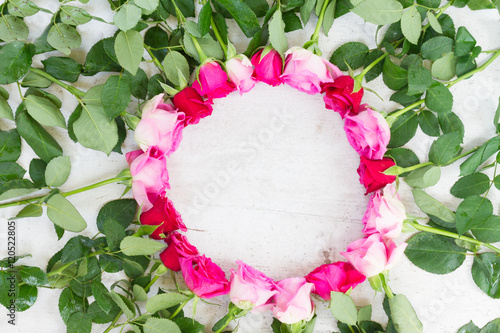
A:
[306,71]
[192,104]
[178,247]
[339,96]
[251,289]
[293,301]
[212,82]
[374,254]
[204,278]
[371,173]
[165,216]
[339,276]
[268,68]
[240,71]
[161,126]
[368,133]
[385,213]
[149,176]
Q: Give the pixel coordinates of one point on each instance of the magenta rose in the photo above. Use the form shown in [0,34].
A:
[339,96]
[251,289]
[339,276]
[368,133]
[212,82]
[374,254]
[149,176]
[160,126]
[385,213]
[178,247]
[306,71]
[164,215]
[268,68]
[371,173]
[192,104]
[204,278]
[240,71]
[293,301]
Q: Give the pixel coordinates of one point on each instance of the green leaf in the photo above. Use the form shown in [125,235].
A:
[419,79]
[8,281]
[127,17]
[436,47]
[22,8]
[380,12]
[306,10]
[492,327]
[114,232]
[164,301]
[365,313]
[488,231]
[472,212]
[124,303]
[15,61]
[395,77]
[486,274]
[33,276]
[175,65]
[473,184]
[188,325]
[121,210]
[33,79]
[44,111]
[10,170]
[101,295]
[244,16]
[429,123]
[10,146]
[63,68]
[115,95]
[98,60]
[62,213]
[5,110]
[13,28]
[451,123]
[445,67]
[139,293]
[16,188]
[411,25]
[328,18]
[29,211]
[157,325]
[74,15]
[434,22]
[134,246]
[349,55]
[73,250]
[403,129]
[129,49]
[64,37]
[277,33]
[464,42]
[157,38]
[57,171]
[480,156]
[37,172]
[469,328]
[466,64]
[148,5]
[70,303]
[101,317]
[429,3]
[434,208]
[439,98]
[26,297]
[404,318]
[210,47]
[424,177]
[445,148]
[79,322]
[204,18]
[343,308]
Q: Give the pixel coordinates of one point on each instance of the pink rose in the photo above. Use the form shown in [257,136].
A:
[374,254]
[268,68]
[371,173]
[161,126]
[240,71]
[178,247]
[212,82]
[149,176]
[368,133]
[385,213]
[204,278]
[339,276]
[306,71]
[165,216]
[339,96]
[293,300]
[251,289]
[192,104]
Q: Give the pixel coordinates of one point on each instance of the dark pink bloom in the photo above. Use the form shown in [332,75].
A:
[178,247]
[204,278]
[268,68]
[212,81]
[165,216]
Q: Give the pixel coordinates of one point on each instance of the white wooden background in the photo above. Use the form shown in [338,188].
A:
[271,180]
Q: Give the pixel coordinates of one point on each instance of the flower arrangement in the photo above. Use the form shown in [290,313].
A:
[419,57]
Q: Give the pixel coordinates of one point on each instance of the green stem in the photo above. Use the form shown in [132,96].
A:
[176,312]
[76,92]
[462,155]
[79,190]
[229,318]
[387,289]
[452,235]
[197,45]
[370,66]
[155,60]
[315,35]
[406,109]
[445,7]
[477,70]
[218,36]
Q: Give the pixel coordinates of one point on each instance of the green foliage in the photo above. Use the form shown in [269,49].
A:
[350,55]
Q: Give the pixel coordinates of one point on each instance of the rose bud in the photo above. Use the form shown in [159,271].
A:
[339,96]
[212,82]
[192,104]
[371,173]
[293,301]
[240,71]
[204,278]
[268,68]
[178,247]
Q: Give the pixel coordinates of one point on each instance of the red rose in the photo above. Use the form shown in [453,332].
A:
[163,214]
[268,68]
[204,278]
[192,104]
[370,173]
[339,276]
[178,247]
[339,96]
